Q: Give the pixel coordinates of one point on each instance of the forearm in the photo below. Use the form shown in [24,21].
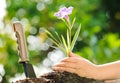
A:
[108,71]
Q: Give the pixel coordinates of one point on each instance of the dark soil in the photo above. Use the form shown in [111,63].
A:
[59,77]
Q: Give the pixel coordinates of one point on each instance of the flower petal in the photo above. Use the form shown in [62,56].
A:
[70,10]
[58,15]
[64,12]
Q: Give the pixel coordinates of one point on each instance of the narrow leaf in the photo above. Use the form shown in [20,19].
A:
[59,46]
[51,36]
[56,42]
[68,39]
[65,22]
[58,37]
[75,37]
[73,22]
[64,43]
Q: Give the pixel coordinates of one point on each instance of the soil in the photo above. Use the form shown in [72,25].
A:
[59,77]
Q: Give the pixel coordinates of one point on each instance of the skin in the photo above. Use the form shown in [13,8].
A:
[83,67]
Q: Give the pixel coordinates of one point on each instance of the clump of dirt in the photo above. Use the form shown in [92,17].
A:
[59,77]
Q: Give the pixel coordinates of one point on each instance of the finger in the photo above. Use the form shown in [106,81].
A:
[67,64]
[71,70]
[74,55]
[70,59]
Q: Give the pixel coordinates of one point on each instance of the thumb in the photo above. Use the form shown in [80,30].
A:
[72,54]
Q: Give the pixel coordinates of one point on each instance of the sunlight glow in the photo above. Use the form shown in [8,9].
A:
[2,9]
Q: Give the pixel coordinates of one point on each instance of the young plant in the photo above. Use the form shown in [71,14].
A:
[66,45]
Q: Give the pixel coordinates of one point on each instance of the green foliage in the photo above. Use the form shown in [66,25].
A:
[65,44]
[96,41]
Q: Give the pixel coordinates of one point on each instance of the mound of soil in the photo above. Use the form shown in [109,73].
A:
[59,77]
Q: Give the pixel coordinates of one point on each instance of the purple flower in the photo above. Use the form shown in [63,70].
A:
[64,12]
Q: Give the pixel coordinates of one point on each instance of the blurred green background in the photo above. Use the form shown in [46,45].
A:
[99,39]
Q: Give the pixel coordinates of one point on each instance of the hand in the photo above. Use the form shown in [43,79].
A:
[78,65]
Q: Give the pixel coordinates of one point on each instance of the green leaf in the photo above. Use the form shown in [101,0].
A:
[51,36]
[75,37]
[64,43]
[58,37]
[56,42]
[73,22]
[65,22]
[59,46]
[68,39]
